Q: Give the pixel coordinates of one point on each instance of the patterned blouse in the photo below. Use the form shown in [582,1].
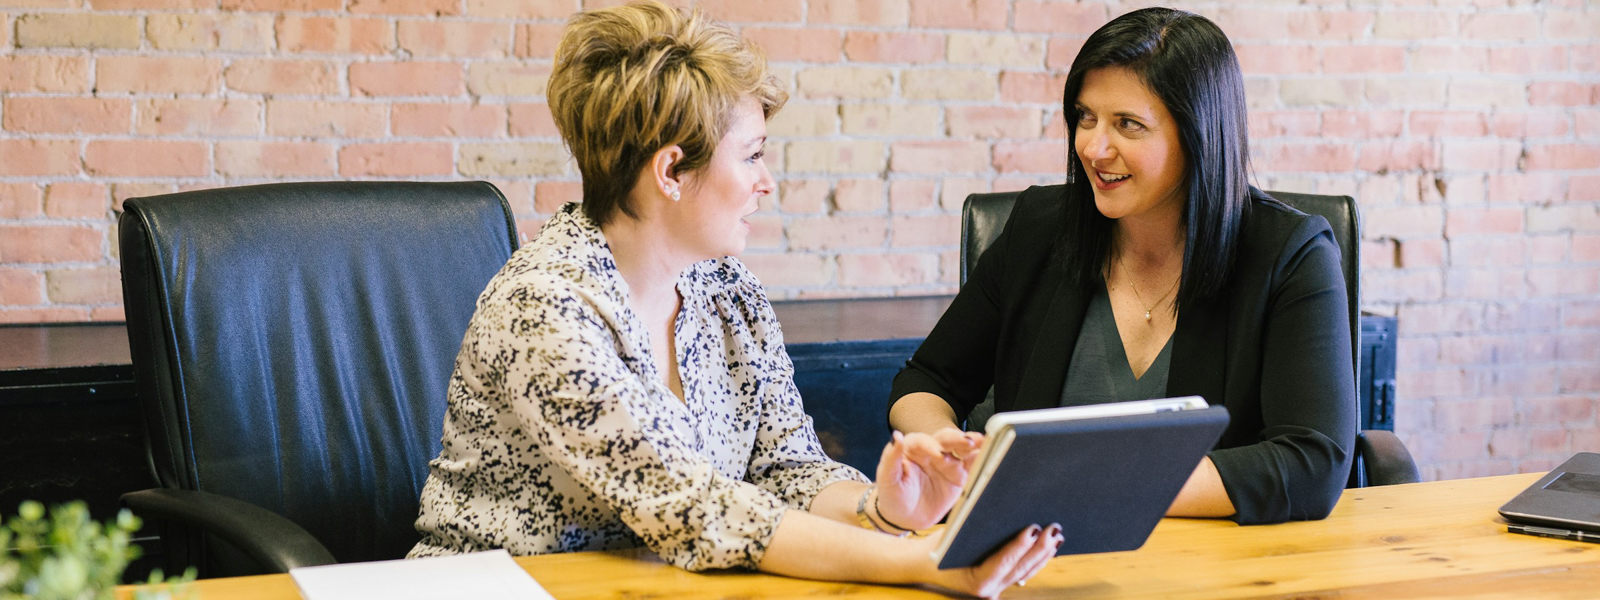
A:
[560,436]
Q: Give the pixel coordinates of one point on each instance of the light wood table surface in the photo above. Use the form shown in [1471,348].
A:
[1429,540]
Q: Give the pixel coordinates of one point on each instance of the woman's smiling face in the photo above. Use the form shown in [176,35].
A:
[1128,143]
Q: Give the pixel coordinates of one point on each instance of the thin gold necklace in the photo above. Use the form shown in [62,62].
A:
[1136,295]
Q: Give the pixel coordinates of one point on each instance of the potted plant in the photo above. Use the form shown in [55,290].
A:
[66,555]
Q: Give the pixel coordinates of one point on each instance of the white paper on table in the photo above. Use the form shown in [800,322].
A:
[488,575]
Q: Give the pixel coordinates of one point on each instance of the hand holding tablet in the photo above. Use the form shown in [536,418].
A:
[1105,472]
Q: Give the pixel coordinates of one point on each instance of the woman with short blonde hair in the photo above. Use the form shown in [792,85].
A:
[629,82]
[624,380]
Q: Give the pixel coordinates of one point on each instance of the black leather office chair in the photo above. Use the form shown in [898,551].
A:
[291,346]
[1380,457]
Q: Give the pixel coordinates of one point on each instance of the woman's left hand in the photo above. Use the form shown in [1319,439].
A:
[920,475]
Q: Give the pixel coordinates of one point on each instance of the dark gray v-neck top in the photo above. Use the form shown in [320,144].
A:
[1099,372]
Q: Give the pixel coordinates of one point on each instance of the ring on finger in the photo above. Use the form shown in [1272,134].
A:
[1022,582]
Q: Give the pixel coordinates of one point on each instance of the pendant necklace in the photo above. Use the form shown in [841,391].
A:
[1136,295]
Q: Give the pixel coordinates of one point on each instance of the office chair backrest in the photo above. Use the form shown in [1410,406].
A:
[292,342]
[984,215]
[982,218]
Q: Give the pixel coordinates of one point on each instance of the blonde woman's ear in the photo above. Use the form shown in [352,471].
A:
[664,169]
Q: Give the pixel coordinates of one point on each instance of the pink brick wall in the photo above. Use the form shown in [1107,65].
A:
[1468,129]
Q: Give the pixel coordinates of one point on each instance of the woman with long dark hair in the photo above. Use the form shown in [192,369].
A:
[1157,270]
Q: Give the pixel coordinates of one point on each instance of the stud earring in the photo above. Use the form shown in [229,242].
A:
[675,195]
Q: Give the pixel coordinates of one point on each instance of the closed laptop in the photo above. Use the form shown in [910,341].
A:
[1568,497]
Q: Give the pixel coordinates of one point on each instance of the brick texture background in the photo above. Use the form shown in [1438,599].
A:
[1468,129]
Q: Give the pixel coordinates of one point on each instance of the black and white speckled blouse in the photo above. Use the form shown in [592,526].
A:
[560,435]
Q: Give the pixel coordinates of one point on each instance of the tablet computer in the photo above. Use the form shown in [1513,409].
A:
[1106,472]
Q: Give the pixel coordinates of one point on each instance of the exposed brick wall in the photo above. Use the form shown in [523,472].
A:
[1469,130]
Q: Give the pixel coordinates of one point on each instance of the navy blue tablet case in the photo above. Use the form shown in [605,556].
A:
[1106,480]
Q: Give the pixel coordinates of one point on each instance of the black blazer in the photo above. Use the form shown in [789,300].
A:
[1274,348]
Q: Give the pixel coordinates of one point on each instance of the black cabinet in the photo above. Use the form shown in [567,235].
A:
[1376,383]
[845,386]
[71,424]
[845,354]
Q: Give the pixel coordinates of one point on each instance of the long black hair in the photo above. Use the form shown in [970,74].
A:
[1188,63]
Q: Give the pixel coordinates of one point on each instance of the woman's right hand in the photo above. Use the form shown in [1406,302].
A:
[1012,564]
[920,476]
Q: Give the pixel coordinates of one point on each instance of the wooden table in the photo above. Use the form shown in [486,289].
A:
[1428,540]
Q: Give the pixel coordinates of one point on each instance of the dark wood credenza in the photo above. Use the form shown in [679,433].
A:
[72,427]
[71,424]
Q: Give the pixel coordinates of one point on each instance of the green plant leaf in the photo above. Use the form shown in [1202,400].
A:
[64,554]
[30,510]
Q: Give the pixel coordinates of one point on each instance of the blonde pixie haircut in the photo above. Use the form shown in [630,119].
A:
[631,80]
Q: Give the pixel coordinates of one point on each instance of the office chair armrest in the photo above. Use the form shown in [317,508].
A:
[1388,462]
[267,537]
